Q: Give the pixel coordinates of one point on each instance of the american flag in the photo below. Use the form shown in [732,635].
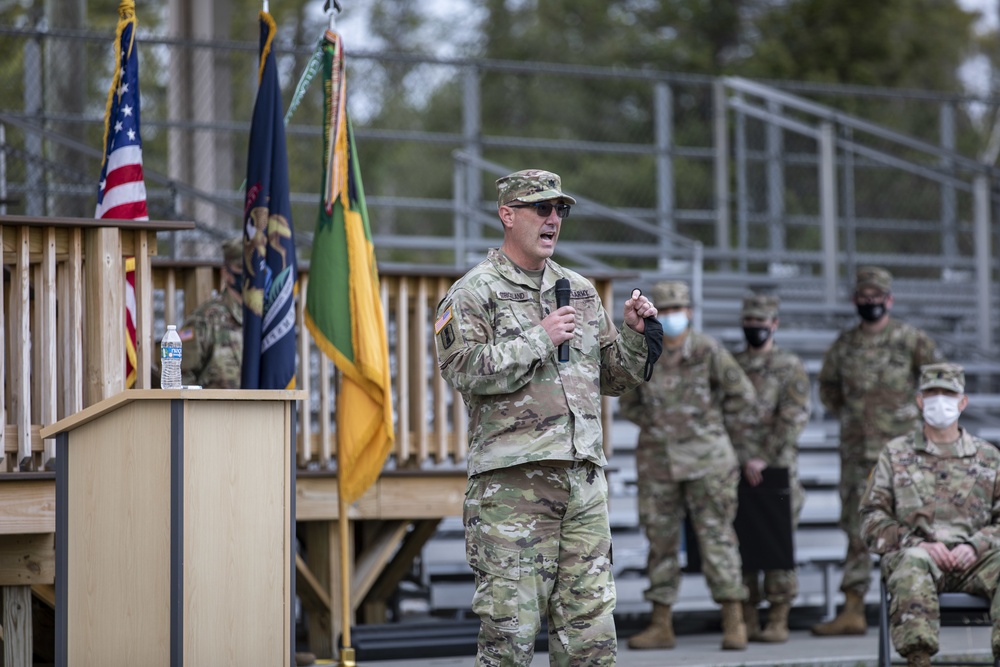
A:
[122,190]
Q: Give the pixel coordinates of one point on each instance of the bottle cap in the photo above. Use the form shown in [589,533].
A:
[171,327]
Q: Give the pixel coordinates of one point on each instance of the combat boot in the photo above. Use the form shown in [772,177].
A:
[751,619]
[850,621]
[918,659]
[734,632]
[660,633]
[776,631]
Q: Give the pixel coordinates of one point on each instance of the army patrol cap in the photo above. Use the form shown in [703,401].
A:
[671,294]
[529,186]
[943,376]
[232,251]
[874,276]
[760,306]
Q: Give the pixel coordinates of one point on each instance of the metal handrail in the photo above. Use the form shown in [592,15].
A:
[832,115]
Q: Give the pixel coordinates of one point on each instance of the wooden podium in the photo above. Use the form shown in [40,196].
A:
[175,522]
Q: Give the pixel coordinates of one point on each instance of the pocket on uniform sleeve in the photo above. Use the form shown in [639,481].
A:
[497,571]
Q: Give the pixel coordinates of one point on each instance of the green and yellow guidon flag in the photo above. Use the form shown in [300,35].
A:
[343,309]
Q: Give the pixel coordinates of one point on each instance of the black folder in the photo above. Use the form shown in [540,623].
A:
[763,525]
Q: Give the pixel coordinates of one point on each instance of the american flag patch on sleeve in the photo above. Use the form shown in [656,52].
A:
[443,320]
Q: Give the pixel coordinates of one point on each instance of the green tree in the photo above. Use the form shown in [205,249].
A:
[894,43]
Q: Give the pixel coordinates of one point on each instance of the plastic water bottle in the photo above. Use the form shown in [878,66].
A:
[170,359]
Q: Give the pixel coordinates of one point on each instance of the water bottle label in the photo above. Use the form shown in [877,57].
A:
[170,352]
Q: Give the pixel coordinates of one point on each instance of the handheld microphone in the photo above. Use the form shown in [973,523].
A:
[562,299]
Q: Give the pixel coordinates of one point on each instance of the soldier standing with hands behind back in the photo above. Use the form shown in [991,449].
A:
[537,533]
[772,442]
[868,379]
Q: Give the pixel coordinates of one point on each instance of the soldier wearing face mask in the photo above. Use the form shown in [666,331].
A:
[932,510]
[690,413]
[868,378]
[772,442]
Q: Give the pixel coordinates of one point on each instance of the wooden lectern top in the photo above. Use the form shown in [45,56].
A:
[129,395]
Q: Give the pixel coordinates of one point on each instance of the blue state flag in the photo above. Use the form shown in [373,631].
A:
[269,266]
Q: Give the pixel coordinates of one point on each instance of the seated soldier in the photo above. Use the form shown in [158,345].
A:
[932,510]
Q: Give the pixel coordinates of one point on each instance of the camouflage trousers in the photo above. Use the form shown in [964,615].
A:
[711,500]
[854,474]
[914,581]
[539,542]
[780,586]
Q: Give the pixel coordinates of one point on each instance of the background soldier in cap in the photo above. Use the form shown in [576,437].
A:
[771,441]
[536,507]
[868,378]
[696,401]
[932,510]
[213,334]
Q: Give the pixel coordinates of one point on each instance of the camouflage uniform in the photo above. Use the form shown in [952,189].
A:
[948,493]
[868,382]
[536,518]
[782,387]
[684,458]
[213,334]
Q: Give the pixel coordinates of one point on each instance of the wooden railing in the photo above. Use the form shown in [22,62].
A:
[430,420]
[63,323]
[64,343]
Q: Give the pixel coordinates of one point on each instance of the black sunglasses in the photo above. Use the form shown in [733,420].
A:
[544,208]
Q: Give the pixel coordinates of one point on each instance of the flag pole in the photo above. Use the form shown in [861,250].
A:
[346,650]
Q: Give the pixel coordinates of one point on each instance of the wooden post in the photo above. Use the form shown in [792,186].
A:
[105,326]
[319,548]
[71,326]
[198,286]
[20,346]
[48,373]
[143,312]
[17,637]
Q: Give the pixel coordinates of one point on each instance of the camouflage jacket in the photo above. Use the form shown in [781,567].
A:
[921,491]
[212,338]
[869,382]
[782,412]
[697,404]
[524,405]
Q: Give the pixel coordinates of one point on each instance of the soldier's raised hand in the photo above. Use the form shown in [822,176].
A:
[637,308]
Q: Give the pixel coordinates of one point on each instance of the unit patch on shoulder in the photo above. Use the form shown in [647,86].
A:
[447,335]
[186,334]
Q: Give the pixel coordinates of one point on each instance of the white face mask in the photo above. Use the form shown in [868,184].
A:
[941,411]
[674,324]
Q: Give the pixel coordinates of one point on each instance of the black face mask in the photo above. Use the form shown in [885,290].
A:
[756,336]
[871,312]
